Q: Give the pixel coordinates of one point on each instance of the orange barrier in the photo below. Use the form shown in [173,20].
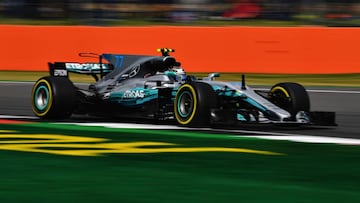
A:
[200,49]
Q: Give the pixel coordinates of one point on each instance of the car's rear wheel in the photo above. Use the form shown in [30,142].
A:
[291,97]
[193,103]
[53,98]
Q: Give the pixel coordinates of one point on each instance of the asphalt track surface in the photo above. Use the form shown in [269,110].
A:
[15,100]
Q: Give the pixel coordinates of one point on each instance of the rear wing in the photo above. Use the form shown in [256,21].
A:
[117,62]
[61,69]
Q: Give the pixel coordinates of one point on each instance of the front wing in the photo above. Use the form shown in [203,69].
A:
[236,117]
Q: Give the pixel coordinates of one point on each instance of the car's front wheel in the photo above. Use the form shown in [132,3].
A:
[53,98]
[193,103]
[291,97]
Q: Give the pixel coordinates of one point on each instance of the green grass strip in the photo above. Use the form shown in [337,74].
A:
[312,173]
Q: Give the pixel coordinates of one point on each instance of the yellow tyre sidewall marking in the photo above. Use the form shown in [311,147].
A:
[280,89]
[49,104]
[178,117]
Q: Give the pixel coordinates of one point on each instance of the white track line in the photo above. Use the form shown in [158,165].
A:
[310,139]
[129,126]
[260,134]
[324,91]
[257,134]
[17,117]
[335,91]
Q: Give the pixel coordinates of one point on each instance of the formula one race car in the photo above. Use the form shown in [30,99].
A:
[156,87]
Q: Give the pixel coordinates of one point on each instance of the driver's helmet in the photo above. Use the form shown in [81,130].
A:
[180,73]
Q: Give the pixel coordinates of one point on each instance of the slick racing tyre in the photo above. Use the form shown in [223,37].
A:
[193,102]
[53,98]
[291,97]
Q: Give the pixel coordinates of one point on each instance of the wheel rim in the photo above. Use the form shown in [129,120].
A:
[186,104]
[282,98]
[41,98]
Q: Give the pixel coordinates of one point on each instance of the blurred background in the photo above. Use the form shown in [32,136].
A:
[189,12]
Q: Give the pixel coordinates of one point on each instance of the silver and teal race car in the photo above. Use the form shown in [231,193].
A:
[157,87]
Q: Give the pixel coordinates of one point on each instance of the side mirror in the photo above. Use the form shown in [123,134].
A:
[212,76]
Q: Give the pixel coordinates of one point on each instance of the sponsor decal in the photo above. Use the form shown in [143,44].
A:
[59,72]
[84,66]
[91,146]
[134,71]
[134,94]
